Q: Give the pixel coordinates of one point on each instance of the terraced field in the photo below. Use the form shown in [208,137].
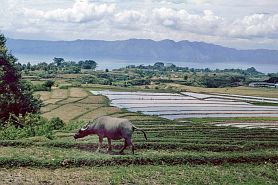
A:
[187,151]
[169,142]
[72,104]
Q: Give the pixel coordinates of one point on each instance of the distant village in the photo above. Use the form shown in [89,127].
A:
[263,84]
[271,83]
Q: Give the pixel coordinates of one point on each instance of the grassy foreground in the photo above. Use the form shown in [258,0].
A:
[161,174]
[186,151]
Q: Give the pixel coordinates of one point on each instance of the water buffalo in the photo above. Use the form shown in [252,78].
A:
[112,129]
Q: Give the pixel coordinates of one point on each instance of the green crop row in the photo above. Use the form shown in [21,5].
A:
[21,161]
[167,145]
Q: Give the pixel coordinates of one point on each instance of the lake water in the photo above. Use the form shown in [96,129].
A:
[106,63]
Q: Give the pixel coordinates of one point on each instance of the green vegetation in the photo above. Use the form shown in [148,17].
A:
[16,98]
[264,104]
[32,125]
[131,76]
[45,86]
[19,108]
[58,66]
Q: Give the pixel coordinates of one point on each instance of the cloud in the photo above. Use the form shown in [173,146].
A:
[28,30]
[182,20]
[256,25]
[207,23]
[81,12]
[130,19]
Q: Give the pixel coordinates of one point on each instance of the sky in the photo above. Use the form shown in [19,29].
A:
[240,24]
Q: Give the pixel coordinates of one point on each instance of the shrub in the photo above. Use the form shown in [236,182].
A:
[46,86]
[91,79]
[56,123]
[49,83]
[64,87]
[73,125]
[138,82]
[76,84]
[30,125]
[221,81]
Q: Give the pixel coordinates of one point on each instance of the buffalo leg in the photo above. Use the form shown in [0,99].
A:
[129,142]
[132,148]
[109,145]
[99,143]
[124,147]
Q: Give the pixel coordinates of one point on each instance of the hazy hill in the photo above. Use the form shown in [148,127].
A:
[143,49]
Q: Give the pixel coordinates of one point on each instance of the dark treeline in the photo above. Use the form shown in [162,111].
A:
[172,67]
[144,75]
[133,75]
[73,67]
[170,73]
[59,65]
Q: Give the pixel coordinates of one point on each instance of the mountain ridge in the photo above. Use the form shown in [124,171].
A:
[141,49]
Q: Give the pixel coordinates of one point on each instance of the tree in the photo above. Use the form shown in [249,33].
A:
[158,65]
[272,80]
[87,64]
[58,61]
[253,71]
[28,66]
[72,70]
[42,66]
[16,96]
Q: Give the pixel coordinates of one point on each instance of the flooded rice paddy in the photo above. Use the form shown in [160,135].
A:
[231,97]
[269,125]
[191,105]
